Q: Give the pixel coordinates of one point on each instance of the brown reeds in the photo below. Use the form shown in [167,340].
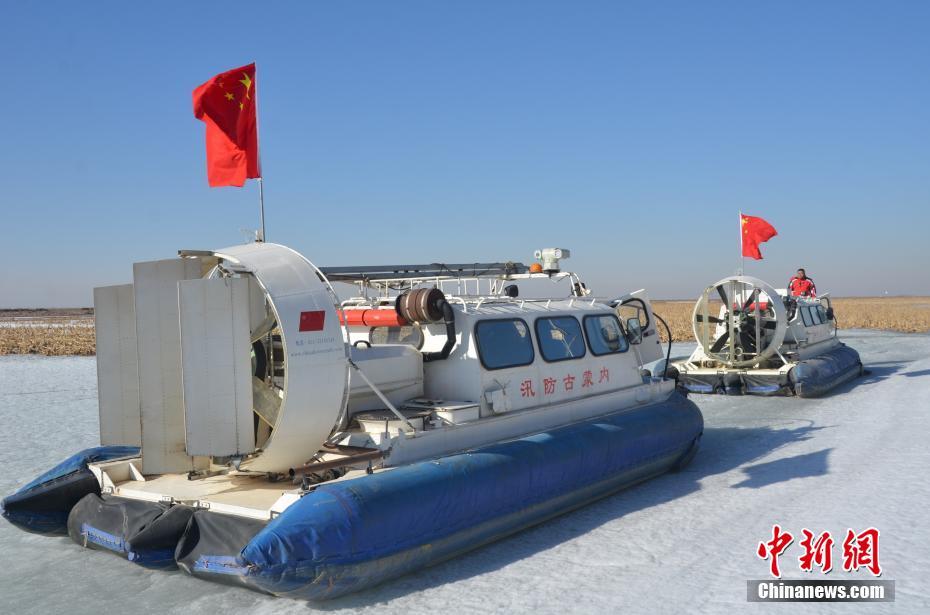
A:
[47,336]
[905,314]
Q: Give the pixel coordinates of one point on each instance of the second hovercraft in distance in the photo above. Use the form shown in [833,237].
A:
[754,339]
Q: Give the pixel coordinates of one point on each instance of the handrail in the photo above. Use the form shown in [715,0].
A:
[381,395]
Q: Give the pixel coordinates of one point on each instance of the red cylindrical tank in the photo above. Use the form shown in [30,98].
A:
[372,318]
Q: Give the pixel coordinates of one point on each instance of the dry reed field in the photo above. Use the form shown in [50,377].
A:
[678,316]
[71,332]
[47,332]
[907,314]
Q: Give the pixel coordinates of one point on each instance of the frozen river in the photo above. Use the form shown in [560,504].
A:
[683,543]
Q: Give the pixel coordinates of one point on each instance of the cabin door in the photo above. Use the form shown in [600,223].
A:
[635,312]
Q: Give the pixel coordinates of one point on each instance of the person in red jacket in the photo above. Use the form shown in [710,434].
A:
[801,285]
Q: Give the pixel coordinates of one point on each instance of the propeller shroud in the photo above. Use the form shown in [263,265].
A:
[744,321]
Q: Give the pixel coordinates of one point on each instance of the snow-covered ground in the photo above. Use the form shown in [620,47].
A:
[683,543]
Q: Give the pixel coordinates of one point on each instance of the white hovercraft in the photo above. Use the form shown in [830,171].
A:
[257,431]
[754,339]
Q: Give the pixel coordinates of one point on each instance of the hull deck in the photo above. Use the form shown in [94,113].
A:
[247,495]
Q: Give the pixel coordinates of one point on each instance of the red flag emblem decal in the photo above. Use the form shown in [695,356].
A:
[312,321]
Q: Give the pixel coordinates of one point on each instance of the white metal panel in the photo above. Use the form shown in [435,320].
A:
[159,345]
[216,366]
[117,366]
[432,443]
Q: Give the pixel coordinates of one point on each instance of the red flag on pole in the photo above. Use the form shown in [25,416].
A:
[755,231]
[226,104]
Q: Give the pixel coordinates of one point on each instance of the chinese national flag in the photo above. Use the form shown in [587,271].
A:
[755,231]
[226,104]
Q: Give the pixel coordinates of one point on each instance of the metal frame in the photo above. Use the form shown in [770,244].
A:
[728,288]
[367,273]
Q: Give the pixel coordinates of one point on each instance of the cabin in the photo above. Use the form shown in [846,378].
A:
[507,355]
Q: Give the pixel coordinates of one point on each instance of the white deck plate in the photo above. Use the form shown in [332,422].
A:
[242,491]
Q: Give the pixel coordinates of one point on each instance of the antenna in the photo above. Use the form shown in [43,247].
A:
[249,234]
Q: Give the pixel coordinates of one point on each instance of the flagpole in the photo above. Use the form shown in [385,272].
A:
[261,182]
[742,259]
[261,203]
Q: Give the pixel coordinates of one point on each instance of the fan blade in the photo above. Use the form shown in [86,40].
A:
[752,297]
[771,325]
[713,319]
[747,342]
[723,296]
[721,342]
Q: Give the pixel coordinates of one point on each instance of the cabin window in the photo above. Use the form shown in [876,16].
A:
[504,343]
[407,334]
[605,336]
[815,316]
[560,338]
[806,316]
[822,314]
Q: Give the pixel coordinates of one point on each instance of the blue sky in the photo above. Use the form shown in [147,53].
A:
[629,132]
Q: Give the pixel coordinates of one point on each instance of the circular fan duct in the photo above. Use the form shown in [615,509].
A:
[739,321]
[304,394]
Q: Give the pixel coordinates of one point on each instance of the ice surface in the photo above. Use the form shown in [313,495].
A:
[683,543]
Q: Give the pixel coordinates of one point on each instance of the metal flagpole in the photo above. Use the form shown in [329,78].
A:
[261,183]
[261,200]
[742,259]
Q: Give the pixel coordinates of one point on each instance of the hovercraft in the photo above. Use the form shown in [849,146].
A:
[257,431]
[756,340]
